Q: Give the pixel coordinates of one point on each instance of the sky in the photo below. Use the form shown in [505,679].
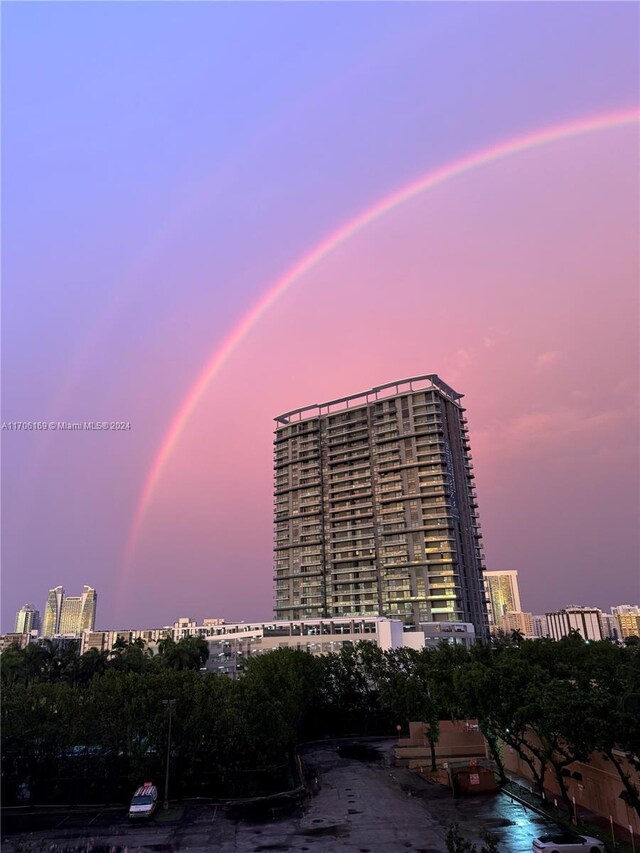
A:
[165,164]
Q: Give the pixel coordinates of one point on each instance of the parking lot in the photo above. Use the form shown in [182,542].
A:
[361,806]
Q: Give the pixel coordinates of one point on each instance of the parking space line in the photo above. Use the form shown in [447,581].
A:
[94,818]
[215,812]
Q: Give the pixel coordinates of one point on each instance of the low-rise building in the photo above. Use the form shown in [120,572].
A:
[19,640]
[104,641]
[230,645]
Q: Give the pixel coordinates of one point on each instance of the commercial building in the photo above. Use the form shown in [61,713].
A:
[376,511]
[67,614]
[585,620]
[27,620]
[503,594]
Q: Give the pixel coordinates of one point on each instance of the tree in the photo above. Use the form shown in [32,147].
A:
[409,690]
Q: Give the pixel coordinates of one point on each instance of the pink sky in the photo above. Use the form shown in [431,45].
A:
[154,192]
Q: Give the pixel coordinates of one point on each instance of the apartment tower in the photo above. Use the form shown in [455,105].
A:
[375,508]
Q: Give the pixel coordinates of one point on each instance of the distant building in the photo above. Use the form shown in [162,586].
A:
[453,633]
[540,627]
[629,624]
[19,640]
[586,620]
[231,644]
[376,509]
[67,614]
[52,611]
[503,594]
[27,619]
[104,641]
[515,620]
[623,609]
[610,626]
[627,618]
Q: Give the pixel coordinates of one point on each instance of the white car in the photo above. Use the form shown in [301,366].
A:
[144,801]
[567,842]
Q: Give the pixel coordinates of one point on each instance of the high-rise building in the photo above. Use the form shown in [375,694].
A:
[68,614]
[27,619]
[586,620]
[376,510]
[503,594]
[52,611]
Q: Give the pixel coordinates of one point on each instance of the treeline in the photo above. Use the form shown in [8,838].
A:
[90,728]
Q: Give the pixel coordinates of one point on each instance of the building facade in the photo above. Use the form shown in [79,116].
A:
[629,625]
[516,620]
[69,614]
[585,620]
[503,594]
[540,627]
[376,511]
[27,620]
[610,626]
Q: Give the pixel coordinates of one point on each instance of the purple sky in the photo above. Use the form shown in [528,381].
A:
[164,164]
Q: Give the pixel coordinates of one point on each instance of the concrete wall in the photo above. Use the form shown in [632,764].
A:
[598,790]
[457,741]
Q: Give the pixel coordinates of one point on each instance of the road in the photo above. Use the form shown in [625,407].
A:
[361,807]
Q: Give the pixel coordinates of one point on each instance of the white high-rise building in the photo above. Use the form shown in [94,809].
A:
[27,619]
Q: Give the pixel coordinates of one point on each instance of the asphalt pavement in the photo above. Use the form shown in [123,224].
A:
[360,807]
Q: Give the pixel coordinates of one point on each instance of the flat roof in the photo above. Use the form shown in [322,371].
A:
[363,398]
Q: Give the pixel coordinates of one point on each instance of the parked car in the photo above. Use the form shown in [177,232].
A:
[144,801]
[567,842]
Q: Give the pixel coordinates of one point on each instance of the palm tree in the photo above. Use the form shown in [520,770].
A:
[93,662]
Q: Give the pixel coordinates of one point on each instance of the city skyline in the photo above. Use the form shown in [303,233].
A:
[407,188]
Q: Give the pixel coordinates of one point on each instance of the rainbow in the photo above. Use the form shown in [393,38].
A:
[426,182]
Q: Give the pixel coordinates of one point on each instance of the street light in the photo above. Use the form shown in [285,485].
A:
[165,804]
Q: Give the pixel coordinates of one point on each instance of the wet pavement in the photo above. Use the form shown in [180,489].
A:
[361,807]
